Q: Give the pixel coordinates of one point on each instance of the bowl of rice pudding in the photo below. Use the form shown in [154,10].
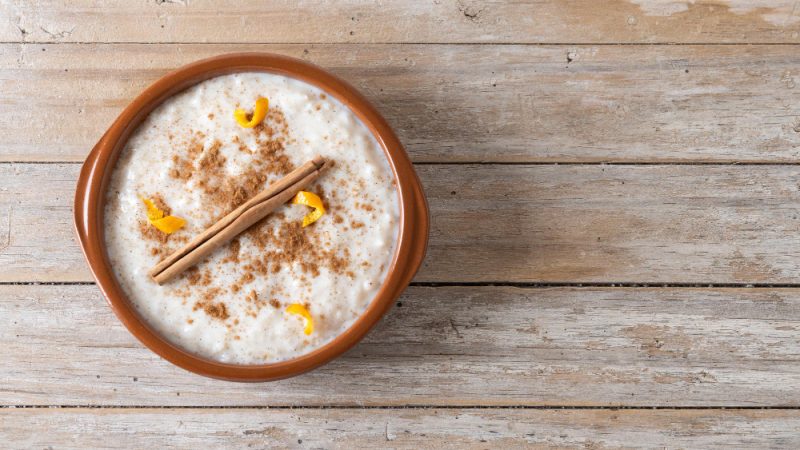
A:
[297,288]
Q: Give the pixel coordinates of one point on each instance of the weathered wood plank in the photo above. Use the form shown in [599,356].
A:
[398,428]
[457,103]
[588,21]
[455,346]
[575,223]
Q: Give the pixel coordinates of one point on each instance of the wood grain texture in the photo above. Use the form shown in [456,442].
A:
[472,103]
[438,72]
[556,224]
[397,428]
[441,346]
[445,21]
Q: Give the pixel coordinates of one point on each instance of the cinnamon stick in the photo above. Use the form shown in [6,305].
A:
[238,220]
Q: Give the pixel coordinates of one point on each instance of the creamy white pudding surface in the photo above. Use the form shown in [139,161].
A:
[194,161]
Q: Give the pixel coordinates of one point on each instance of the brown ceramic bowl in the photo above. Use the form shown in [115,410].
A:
[96,171]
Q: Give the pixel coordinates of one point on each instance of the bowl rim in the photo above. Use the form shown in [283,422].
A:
[96,170]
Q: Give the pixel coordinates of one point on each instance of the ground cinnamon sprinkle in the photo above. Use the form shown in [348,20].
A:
[197,278]
[159,202]
[192,274]
[224,193]
[234,193]
[233,251]
[285,244]
[210,295]
[183,166]
[151,233]
[273,124]
[212,159]
[207,303]
[182,169]
[298,245]
[208,168]
[252,297]
[216,310]
[254,303]
[248,277]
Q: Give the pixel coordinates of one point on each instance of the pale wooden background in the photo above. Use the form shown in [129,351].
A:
[614,258]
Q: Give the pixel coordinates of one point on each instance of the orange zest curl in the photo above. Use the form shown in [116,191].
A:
[300,310]
[259,112]
[155,216]
[312,200]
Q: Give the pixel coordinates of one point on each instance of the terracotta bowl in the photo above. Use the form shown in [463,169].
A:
[96,171]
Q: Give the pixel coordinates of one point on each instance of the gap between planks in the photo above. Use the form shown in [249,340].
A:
[420,407]
[535,163]
[525,285]
[454,44]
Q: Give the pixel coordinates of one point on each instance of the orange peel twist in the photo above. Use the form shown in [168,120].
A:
[259,112]
[300,310]
[155,216]
[312,200]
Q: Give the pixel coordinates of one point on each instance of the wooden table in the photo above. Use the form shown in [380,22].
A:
[614,255]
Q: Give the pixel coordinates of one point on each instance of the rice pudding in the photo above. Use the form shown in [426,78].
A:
[193,160]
